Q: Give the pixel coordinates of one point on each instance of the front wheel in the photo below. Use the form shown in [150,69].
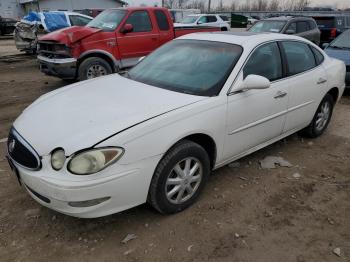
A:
[93,67]
[179,178]
[321,119]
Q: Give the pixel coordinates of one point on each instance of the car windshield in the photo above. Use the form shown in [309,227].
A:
[343,41]
[108,20]
[189,66]
[268,26]
[189,19]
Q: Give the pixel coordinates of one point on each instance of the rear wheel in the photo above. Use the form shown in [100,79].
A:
[94,67]
[179,178]
[321,119]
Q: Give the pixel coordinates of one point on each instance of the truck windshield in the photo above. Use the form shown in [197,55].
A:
[188,66]
[108,20]
[189,19]
[268,26]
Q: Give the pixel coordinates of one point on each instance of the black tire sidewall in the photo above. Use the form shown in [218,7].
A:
[315,132]
[86,64]
[178,153]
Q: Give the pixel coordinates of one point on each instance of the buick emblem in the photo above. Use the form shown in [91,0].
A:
[12,145]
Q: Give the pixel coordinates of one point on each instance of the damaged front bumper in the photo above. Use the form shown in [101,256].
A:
[64,68]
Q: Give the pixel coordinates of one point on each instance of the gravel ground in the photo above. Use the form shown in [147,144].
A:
[298,214]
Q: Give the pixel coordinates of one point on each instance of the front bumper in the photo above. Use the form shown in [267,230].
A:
[122,189]
[64,68]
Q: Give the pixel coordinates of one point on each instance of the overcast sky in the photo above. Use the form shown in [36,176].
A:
[336,3]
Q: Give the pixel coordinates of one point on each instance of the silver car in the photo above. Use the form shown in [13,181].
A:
[301,26]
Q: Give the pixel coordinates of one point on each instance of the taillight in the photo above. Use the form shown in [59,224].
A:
[333,33]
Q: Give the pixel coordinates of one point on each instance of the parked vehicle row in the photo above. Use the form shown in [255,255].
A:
[114,40]
[153,135]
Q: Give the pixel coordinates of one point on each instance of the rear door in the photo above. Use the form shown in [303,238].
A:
[166,32]
[303,30]
[306,79]
[141,41]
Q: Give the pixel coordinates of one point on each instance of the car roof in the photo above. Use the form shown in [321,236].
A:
[288,18]
[240,38]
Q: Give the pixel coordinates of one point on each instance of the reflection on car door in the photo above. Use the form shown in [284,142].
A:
[257,116]
[305,81]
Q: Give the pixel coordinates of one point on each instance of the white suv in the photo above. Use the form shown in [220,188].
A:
[211,20]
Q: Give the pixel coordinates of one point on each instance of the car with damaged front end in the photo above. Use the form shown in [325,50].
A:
[153,135]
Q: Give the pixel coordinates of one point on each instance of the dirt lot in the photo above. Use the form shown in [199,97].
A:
[245,213]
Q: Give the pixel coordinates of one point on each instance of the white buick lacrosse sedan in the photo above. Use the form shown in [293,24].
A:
[153,135]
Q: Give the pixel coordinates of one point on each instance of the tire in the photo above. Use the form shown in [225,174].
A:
[224,29]
[93,67]
[160,192]
[321,119]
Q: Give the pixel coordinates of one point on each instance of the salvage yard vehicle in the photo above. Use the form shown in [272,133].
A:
[301,26]
[340,49]
[7,25]
[33,25]
[196,104]
[115,39]
[331,26]
[214,20]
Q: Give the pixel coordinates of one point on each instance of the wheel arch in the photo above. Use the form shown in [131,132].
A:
[205,141]
[334,92]
[115,64]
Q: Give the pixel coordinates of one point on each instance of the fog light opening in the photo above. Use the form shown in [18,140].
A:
[88,203]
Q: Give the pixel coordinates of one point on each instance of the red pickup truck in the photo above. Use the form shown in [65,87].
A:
[115,39]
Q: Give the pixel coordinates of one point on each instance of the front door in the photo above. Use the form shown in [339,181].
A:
[257,116]
[141,41]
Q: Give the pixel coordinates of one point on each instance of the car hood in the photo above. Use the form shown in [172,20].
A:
[81,115]
[343,55]
[70,35]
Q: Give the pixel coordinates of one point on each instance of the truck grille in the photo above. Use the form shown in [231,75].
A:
[21,152]
[51,49]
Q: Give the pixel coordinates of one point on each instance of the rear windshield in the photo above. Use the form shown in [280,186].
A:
[188,66]
[268,26]
[325,22]
[108,20]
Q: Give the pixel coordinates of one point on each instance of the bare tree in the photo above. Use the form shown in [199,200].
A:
[196,4]
[274,5]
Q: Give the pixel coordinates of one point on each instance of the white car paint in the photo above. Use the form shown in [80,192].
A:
[147,122]
[219,23]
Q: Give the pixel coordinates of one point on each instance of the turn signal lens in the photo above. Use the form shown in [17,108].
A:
[58,158]
[95,160]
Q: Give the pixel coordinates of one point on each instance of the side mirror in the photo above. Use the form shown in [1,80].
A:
[128,28]
[290,32]
[325,45]
[254,82]
[199,22]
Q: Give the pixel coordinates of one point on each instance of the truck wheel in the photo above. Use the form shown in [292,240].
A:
[224,29]
[93,67]
[179,178]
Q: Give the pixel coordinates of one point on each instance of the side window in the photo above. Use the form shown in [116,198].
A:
[299,57]
[265,61]
[312,25]
[203,19]
[302,26]
[141,21]
[292,27]
[79,20]
[318,55]
[162,20]
[212,19]
[224,18]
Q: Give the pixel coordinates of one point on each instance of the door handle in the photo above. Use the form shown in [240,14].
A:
[280,94]
[321,81]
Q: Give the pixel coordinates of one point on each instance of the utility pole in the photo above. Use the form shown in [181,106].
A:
[209,4]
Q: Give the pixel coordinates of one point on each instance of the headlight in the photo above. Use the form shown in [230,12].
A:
[58,158]
[93,161]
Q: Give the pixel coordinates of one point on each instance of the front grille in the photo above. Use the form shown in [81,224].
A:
[22,152]
[51,49]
